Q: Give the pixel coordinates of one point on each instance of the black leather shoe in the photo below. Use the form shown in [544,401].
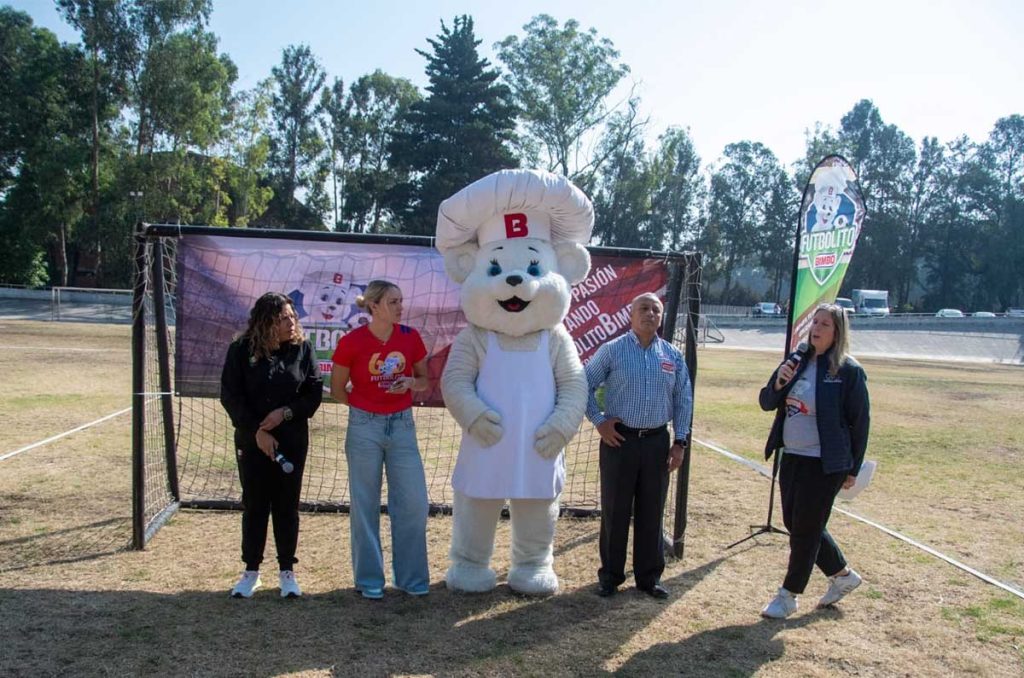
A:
[606,590]
[656,591]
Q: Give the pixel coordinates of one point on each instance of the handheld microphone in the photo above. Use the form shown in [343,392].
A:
[286,465]
[796,357]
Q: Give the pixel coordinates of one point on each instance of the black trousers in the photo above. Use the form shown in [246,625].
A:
[634,482]
[268,491]
[807,497]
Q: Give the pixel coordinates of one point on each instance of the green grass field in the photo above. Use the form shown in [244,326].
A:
[73,601]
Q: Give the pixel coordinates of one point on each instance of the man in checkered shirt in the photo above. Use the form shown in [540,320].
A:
[646,385]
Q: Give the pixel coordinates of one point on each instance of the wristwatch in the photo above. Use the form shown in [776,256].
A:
[680,443]
[287,412]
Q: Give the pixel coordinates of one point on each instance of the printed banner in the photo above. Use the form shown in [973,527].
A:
[220,277]
[831,215]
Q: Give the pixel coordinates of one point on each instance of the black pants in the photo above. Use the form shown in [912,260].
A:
[807,497]
[634,482]
[268,491]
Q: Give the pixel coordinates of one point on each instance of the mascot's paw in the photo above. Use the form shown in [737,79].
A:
[486,429]
[548,442]
[533,580]
[470,578]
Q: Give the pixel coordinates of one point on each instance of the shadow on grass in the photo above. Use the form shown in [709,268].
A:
[737,650]
[66,545]
[200,632]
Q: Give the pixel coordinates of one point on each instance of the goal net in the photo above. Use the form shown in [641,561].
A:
[193,291]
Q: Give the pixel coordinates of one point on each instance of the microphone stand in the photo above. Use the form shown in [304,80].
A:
[799,355]
[767,528]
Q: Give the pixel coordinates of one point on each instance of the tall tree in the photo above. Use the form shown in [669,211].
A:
[107,39]
[561,78]
[1002,159]
[44,149]
[296,146]
[622,200]
[377,113]
[336,125]
[459,133]
[951,252]
[776,237]
[741,197]
[246,145]
[885,159]
[679,191]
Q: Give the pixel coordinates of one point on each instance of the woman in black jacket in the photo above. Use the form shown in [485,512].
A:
[270,387]
[821,429]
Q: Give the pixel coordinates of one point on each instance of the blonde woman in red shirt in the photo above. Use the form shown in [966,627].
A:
[384,361]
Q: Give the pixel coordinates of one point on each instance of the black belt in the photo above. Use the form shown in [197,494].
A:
[640,432]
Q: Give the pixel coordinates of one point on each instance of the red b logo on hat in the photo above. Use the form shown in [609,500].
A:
[515,225]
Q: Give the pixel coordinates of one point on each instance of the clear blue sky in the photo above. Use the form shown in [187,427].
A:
[729,70]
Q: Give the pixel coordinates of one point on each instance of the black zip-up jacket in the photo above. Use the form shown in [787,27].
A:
[251,388]
[843,414]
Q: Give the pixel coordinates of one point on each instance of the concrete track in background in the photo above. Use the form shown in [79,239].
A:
[996,340]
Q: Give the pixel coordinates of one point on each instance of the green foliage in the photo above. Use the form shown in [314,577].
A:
[561,78]
[361,127]
[43,148]
[748,196]
[296,147]
[461,132]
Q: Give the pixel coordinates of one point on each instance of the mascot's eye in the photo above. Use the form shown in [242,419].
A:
[494,269]
[534,268]
[323,297]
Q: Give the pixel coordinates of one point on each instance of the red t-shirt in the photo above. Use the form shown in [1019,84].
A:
[374,365]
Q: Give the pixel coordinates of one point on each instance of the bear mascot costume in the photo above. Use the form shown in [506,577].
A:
[513,380]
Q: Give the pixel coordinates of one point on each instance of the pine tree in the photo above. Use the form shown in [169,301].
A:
[458,134]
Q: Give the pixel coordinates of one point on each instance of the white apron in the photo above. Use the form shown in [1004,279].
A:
[521,388]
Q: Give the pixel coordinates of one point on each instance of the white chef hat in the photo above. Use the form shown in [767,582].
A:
[515,204]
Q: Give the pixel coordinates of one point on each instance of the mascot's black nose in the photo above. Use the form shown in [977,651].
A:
[514,280]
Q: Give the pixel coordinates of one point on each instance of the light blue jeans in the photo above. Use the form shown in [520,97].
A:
[387,441]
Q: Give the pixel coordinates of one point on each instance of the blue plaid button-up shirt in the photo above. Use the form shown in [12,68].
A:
[644,387]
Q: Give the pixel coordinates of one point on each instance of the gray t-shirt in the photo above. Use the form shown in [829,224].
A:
[800,433]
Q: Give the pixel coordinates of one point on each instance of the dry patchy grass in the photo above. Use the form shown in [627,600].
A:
[80,605]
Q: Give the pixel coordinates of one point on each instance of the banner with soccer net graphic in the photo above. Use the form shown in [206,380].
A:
[210,278]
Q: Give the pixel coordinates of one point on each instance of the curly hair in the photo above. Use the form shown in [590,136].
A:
[262,317]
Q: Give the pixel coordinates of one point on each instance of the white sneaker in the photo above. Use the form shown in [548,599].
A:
[839,586]
[289,586]
[247,585]
[781,606]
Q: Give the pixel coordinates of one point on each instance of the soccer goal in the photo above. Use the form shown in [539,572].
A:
[194,286]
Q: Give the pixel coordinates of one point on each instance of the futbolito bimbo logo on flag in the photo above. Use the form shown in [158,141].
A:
[832,214]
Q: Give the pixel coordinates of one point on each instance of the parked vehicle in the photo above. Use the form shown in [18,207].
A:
[871,302]
[983,314]
[1015,313]
[846,305]
[766,309]
[949,313]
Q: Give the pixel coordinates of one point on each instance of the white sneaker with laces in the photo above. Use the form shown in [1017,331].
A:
[247,584]
[781,606]
[289,586]
[838,586]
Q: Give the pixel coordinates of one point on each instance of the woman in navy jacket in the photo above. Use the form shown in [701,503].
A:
[821,429]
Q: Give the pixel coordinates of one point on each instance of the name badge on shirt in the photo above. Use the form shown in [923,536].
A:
[668,366]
